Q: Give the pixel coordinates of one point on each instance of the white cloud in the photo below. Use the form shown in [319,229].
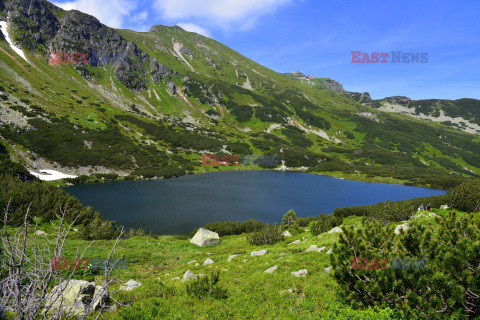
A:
[226,14]
[192,27]
[109,12]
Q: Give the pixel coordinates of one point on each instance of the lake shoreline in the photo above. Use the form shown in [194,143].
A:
[339,175]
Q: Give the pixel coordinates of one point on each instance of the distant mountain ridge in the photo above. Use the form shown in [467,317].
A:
[327,83]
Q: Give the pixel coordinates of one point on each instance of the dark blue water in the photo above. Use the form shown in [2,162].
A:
[177,206]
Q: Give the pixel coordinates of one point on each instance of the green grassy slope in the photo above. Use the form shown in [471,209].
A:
[159,263]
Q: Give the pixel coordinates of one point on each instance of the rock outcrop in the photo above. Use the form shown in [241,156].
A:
[76,296]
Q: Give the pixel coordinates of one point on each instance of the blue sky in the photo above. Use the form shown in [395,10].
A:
[317,37]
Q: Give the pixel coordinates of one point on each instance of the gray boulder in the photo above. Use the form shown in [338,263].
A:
[300,273]
[205,237]
[258,253]
[271,269]
[286,233]
[207,262]
[403,227]
[315,248]
[73,295]
[189,275]
[130,285]
[335,230]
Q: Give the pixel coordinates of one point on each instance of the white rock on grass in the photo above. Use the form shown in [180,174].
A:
[207,262]
[403,227]
[335,230]
[40,233]
[328,269]
[329,251]
[300,273]
[193,261]
[230,257]
[205,237]
[188,275]
[296,241]
[258,253]
[286,233]
[315,248]
[271,269]
[130,285]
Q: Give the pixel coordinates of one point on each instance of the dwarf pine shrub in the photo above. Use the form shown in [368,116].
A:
[207,286]
[325,223]
[268,235]
[448,287]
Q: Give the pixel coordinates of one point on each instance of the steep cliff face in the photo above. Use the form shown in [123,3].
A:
[33,23]
[39,26]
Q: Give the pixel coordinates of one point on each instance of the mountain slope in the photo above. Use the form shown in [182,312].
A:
[149,104]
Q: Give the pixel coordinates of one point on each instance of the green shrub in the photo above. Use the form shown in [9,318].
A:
[466,197]
[225,228]
[391,211]
[266,236]
[325,223]
[207,286]
[288,220]
[98,228]
[447,287]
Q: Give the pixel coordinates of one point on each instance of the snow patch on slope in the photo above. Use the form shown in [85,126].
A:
[50,175]
[3,26]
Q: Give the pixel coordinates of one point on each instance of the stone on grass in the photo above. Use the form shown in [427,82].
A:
[271,269]
[329,251]
[205,237]
[230,257]
[207,262]
[40,233]
[188,275]
[299,273]
[296,241]
[258,253]
[328,269]
[286,233]
[74,294]
[335,230]
[130,285]
[403,227]
[193,261]
[315,248]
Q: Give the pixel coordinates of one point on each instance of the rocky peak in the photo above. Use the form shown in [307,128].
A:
[333,85]
[402,100]
[38,16]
